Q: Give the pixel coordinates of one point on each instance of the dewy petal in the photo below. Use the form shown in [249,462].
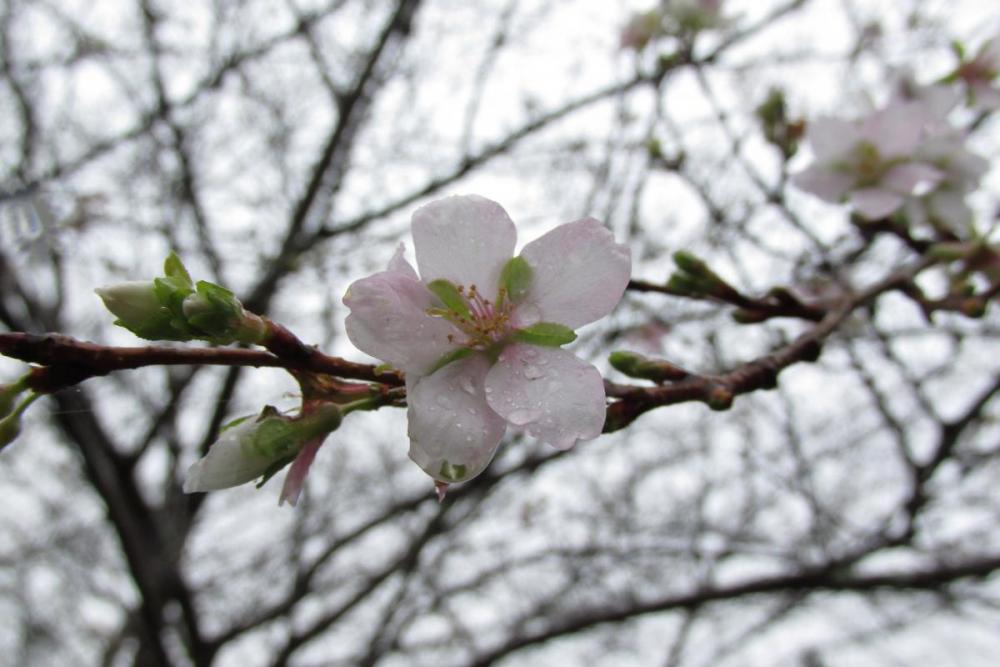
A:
[875,203]
[465,240]
[579,275]
[453,432]
[826,183]
[227,463]
[555,396]
[389,319]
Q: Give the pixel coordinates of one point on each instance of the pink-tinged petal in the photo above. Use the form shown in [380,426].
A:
[831,138]
[579,275]
[295,478]
[828,184]
[453,432]
[398,264]
[896,130]
[389,319]
[466,240]
[875,203]
[557,397]
[965,169]
[912,178]
[985,97]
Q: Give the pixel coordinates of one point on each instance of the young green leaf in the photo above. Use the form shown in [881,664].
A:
[545,334]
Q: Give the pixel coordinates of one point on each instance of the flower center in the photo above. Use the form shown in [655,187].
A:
[484,323]
[868,164]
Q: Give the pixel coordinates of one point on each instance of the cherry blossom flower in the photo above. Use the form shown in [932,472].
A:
[479,333]
[870,161]
[980,74]
[672,17]
[945,206]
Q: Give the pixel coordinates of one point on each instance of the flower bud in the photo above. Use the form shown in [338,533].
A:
[637,366]
[139,310]
[218,316]
[258,447]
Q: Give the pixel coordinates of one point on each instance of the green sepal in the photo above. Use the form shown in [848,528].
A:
[171,292]
[545,334]
[10,428]
[160,327]
[9,394]
[449,295]
[451,472]
[174,268]
[236,422]
[454,355]
[274,437]
[274,469]
[516,278]
[219,314]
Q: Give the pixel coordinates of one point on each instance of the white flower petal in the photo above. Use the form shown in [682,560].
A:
[579,275]
[949,208]
[555,396]
[875,203]
[466,240]
[453,432]
[912,178]
[227,463]
[831,138]
[825,182]
[895,130]
[389,319]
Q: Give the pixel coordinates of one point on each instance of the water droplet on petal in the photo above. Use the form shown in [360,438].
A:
[529,314]
[489,390]
[529,352]
[444,400]
[522,416]
[532,372]
[467,386]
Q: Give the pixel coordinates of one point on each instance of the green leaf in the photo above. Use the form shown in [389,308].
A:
[450,296]
[516,277]
[546,334]
[173,267]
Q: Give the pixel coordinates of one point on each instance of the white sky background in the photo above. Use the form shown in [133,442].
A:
[557,51]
